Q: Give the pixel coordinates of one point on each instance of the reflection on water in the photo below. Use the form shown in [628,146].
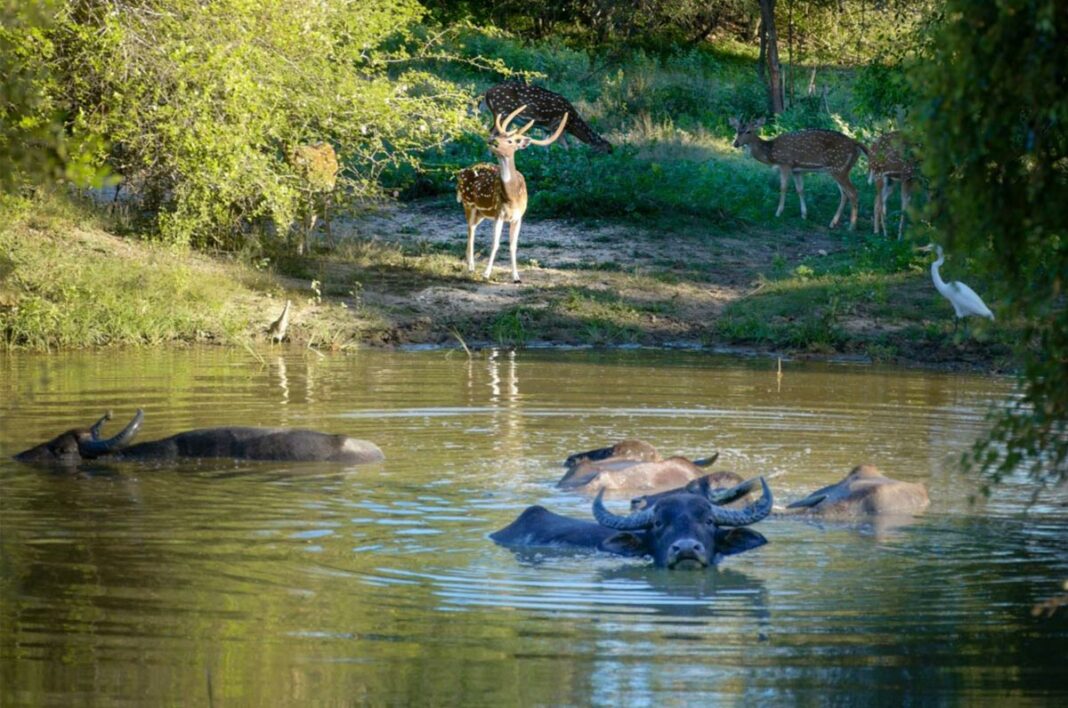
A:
[293,583]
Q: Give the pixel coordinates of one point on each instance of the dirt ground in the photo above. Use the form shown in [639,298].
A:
[667,289]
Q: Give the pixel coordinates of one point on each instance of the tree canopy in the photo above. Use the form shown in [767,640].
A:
[992,122]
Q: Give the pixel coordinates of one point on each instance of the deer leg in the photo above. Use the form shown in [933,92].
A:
[846,190]
[904,207]
[841,205]
[783,178]
[799,185]
[498,227]
[326,220]
[882,197]
[877,206]
[513,246]
[851,192]
[472,224]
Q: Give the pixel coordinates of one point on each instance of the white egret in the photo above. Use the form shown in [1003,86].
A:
[965,301]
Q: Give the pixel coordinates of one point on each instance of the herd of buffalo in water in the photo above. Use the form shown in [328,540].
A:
[681,515]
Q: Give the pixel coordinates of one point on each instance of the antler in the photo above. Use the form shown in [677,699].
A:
[503,129]
[552,138]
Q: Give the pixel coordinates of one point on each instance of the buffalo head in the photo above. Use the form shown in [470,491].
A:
[684,529]
[74,446]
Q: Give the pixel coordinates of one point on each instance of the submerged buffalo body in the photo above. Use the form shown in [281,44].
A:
[865,490]
[680,529]
[283,444]
[628,467]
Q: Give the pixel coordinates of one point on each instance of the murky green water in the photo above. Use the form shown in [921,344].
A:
[267,584]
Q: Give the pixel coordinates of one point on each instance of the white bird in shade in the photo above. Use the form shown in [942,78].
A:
[965,301]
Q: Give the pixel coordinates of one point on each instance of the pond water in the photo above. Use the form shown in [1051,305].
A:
[272,584]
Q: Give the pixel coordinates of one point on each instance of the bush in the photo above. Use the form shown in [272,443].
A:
[202,102]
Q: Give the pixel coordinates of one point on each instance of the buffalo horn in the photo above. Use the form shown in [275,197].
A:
[96,447]
[638,520]
[95,430]
[726,496]
[749,515]
[707,461]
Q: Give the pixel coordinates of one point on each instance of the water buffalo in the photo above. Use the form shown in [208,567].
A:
[80,444]
[630,466]
[865,490]
[679,530]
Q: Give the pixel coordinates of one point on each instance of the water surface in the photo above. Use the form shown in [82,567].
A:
[272,584]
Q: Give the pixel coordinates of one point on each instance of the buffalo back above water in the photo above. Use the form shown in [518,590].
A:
[629,467]
[282,444]
[865,490]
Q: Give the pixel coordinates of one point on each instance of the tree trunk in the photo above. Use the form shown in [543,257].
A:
[769,38]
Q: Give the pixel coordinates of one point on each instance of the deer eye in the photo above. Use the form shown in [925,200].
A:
[658,524]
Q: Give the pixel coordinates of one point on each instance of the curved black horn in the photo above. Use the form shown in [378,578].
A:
[96,447]
[749,515]
[726,496]
[95,430]
[638,520]
[707,461]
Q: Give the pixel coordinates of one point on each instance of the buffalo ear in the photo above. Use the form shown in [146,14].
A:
[625,543]
[731,541]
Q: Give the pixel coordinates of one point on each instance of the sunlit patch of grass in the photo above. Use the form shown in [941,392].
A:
[72,285]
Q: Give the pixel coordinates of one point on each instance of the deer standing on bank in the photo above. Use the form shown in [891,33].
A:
[545,108]
[811,150]
[499,191]
[889,160]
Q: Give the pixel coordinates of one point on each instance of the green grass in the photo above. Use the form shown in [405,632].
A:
[65,283]
[668,117]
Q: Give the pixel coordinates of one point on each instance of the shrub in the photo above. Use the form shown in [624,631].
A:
[202,101]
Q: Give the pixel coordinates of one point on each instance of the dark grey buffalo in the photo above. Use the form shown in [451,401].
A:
[283,444]
[629,467]
[679,530]
[864,491]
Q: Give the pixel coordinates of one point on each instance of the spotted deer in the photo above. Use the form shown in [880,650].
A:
[889,159]
[499,191]
[545,108]
[811,150]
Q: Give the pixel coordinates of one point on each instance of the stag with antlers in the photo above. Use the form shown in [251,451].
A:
[811,150]
[499,191]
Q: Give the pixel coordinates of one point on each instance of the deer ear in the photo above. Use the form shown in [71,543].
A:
[523,143]
[758,122]
[733,122]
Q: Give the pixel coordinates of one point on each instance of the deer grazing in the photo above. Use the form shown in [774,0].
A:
[802,151]
[499,191]
[545,108]
[889,160]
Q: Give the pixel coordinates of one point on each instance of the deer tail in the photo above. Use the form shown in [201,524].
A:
[582,130]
